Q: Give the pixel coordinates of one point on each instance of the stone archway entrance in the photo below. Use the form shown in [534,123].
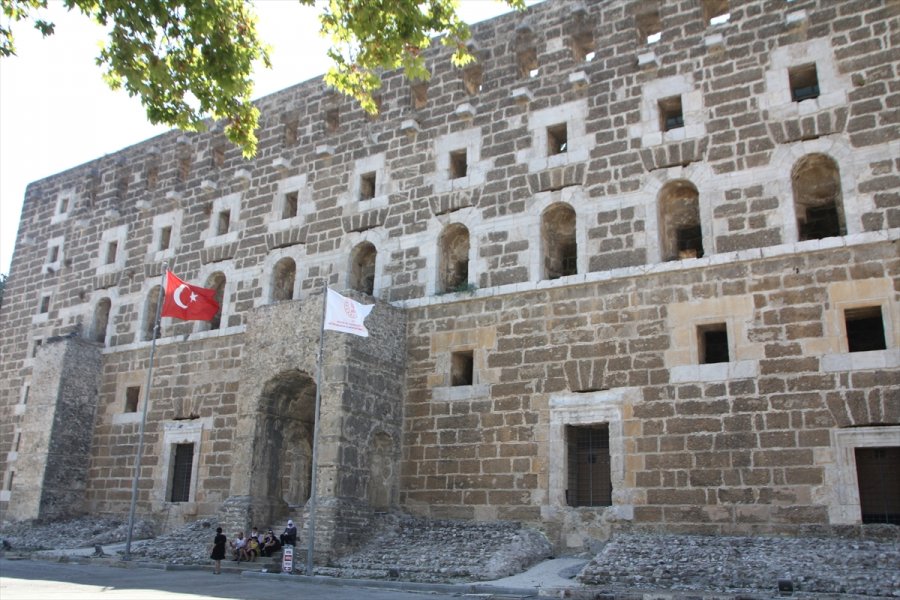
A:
[282,464]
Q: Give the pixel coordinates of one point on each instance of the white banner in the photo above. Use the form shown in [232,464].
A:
[344,314]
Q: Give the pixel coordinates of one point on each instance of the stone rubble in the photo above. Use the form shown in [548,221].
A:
[748,564]
[71,533]
[447,551]
[417,549]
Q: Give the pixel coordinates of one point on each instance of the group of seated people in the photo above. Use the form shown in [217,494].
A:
[261,544]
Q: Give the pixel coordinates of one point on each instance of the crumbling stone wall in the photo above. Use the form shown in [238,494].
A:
[570,105]
[52,463]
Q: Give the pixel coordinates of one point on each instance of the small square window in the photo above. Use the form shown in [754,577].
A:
[670,114]
[132,395]
[165,237]
[459,165]
[716,11]
[804,81]
[223,222]
[713,343]
[865,329]
[649,27]
[557,139]
[690,241]
[461,368]
[112,248]
[367,186]
[473,78]
[45,305]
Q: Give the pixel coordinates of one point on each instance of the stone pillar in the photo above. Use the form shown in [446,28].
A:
[56,431]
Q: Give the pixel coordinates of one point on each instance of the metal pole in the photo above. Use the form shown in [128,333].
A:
[140,449]
[311,543]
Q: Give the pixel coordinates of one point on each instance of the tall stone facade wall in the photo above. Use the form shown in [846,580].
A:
[548,257]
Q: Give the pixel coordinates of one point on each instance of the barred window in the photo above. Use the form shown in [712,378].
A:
[181,473]
[589,466]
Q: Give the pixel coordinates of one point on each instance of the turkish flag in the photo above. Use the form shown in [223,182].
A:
[188,302]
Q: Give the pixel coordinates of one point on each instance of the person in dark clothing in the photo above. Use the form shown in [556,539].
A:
[289,537]
[218,550]
[270,545]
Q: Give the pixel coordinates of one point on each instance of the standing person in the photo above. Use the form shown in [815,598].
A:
[218,550]
[289,537]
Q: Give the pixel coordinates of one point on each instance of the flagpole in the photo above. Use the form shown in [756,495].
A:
[311,543]
[140,449]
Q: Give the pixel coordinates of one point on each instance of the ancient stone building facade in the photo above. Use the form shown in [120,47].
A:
[636,268]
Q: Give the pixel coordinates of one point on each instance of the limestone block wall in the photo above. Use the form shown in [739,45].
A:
[53,439]
[638,169]
[747,445]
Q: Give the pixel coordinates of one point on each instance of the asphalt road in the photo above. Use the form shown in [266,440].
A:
[33,580]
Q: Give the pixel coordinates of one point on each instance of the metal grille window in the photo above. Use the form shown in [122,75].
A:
[879,486]
[589,466]
[181,473]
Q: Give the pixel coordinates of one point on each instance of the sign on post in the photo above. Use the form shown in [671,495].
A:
[287,559]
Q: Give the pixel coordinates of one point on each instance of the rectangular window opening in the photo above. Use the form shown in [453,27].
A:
[112,248]
[819,222]
[53,255]
[649,27]
[865,329]
[459,165]
[218,157]
[45,304]
[461,368]
[589,480]
[18,441]
[670,113]
[25,395]
[63,206]
[9,482]
[879,492]
[132,395]
[37,344]
[367,186]
[716,12]
[473,77]
[290,205]
[332,120]
[165,237]
[583,46]
[290,132]
[804,81]
[181,473]
[419,94]
[557,139]
[690,242]
[713,343]
[223,222]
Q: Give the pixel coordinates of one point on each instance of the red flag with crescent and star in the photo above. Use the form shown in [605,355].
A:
[188,302]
